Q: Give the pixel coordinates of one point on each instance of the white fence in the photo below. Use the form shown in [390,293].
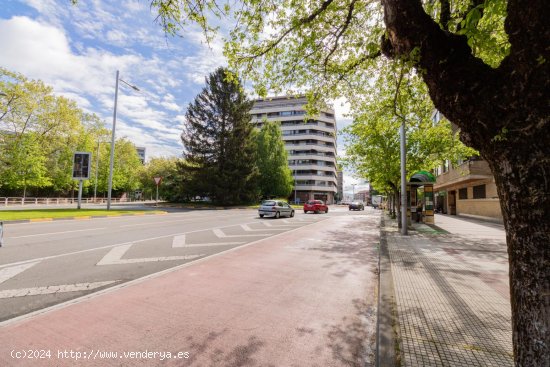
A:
[11,201]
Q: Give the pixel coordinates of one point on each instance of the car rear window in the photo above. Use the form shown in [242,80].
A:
[311,202]
[318,202]
[268,203]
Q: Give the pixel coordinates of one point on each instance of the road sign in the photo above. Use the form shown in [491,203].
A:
[81,165]
[158,180]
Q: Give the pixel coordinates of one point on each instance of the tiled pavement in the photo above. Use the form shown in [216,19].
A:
[451,293]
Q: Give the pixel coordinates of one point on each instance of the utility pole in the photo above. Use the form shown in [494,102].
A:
[403,144]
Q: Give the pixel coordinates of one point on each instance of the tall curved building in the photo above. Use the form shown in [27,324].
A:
[311,145]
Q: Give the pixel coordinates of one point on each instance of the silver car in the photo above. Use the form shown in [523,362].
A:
[275,208]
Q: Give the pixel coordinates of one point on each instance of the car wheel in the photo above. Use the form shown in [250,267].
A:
[277,215]
[326,211]
[349,209]
[261,215]
[316,212]
[292,214]
[305,211]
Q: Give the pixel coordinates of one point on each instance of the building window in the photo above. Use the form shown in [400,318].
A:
[445,166]
[479,192]
[463,193]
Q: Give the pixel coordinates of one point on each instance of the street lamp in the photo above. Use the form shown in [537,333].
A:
[353,191]
[112,159]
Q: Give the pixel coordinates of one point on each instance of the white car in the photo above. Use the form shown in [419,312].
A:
[275,208]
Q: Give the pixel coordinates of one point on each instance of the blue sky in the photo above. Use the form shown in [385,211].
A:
[77,50]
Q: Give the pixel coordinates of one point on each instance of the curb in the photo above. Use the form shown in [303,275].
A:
[85,217]
[387,324]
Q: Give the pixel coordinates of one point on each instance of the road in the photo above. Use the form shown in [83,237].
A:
[47,263]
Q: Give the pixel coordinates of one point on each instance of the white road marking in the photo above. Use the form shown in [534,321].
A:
[12,271]
[179,241]
[123,243]
[248,229]
[281,225]
[114,257]
[49,233]
[219,233]
[23,292]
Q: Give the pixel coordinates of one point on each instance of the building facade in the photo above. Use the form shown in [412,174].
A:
[141,154]
[310,144]
[466,188]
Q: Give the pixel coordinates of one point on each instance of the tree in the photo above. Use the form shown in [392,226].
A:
[23,163]
[218,138]
[486,65]
[171,187]
[275,176]
[373,148]
[56,124]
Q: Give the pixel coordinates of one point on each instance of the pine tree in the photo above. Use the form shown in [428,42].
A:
[219,145]
[275,175]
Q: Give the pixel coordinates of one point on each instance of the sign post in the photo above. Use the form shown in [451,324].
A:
[81,171]
[158,180]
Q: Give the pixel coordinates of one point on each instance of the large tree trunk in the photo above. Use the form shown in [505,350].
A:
[503,113]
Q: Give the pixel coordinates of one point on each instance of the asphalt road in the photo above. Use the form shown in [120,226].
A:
[46,263]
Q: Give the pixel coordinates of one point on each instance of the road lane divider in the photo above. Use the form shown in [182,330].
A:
[61,232]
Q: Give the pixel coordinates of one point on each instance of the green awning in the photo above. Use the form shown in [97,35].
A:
[422,176]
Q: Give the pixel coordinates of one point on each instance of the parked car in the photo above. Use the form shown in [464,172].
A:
[275,208]
[356,205]
[315,206]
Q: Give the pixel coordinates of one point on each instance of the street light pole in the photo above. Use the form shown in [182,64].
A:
[403,179]
[111,160]
[353,191]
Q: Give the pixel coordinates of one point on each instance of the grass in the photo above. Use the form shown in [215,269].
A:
[66,213]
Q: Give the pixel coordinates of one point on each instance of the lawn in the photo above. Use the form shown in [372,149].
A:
[66,213]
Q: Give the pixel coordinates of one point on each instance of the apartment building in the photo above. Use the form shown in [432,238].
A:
[310,144]
[466,188]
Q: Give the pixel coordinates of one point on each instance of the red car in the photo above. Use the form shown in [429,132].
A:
[315,206]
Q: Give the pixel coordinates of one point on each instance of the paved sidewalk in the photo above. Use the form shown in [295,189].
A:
[451,293]
[302,298]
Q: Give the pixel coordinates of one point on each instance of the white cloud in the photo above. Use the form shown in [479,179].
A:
[87,75]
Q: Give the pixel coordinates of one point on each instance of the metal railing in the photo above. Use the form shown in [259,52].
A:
[11,201]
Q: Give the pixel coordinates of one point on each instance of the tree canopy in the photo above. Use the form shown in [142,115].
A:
[40,132]
[275,176]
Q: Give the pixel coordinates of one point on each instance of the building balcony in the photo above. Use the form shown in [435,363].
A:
[465,173]
[312,166]
[315,177]
[318,188]
[307,146]
[315,136]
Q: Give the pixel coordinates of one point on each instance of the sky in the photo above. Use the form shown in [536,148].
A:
[78,49]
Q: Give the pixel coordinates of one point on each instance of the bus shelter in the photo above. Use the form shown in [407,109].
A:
[420,198]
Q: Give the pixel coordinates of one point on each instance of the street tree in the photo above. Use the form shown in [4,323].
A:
[373,142]
[219,142]
[275,176]
[486,65]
